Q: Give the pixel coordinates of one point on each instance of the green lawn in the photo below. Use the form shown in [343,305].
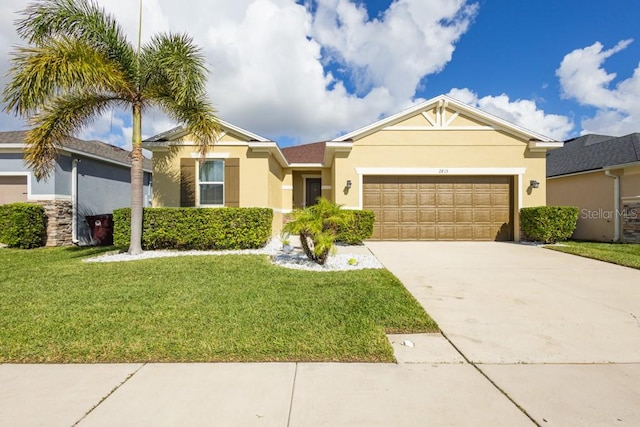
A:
[617,253]
[56,308]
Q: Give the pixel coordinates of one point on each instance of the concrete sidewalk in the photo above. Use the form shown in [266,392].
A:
[432,386]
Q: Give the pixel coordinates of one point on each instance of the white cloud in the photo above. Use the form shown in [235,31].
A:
[583,78]
[522,112]
[271,60]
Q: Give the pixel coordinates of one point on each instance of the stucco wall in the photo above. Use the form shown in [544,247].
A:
[12,162]
[592,193]
[261,177]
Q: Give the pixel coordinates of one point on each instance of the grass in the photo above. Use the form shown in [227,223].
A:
[54,308]
[627,255]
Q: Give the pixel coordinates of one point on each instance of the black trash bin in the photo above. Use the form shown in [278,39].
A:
[101,227]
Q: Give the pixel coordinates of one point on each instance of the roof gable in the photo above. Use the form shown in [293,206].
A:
[96,149]
[179,132]
[593,152]
[443,113]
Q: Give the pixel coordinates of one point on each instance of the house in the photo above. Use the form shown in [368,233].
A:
[89,178]
[441,170]
[601,175]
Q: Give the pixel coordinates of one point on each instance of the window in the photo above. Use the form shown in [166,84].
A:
[211,183]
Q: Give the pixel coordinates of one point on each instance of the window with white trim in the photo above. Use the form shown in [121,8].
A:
[211,183]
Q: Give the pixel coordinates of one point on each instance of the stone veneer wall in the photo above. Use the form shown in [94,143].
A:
[59,221]
[631,221]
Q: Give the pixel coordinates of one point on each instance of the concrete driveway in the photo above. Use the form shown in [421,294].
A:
[559,334]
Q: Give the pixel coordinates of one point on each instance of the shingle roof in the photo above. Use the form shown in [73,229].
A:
[591,152]
[94,148]
[305,153]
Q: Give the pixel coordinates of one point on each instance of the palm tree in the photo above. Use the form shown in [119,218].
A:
[78,64]
[317,227]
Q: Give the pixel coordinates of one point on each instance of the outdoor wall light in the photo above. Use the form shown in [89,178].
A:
[534,183]
[348,184]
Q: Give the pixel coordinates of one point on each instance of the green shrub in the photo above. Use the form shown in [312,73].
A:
[548,224]
[196,228]
[356,226]
[22,225]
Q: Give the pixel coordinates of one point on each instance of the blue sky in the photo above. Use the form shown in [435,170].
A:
[308,70]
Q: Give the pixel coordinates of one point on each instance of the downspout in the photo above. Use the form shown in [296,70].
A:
[74,201]
[616,204]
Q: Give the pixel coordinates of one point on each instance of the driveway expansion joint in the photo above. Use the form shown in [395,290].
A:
[109,394]
[504,393]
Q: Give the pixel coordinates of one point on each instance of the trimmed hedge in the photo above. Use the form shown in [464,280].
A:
[357,226]
[23,225]
[548,224]
[196,228]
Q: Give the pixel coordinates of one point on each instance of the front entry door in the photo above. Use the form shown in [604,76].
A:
[313,190]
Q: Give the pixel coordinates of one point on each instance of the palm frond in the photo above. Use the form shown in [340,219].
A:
[56,66]
[174,62]
[173,76]
[81,19]
[62,117]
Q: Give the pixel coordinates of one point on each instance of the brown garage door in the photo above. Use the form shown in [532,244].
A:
[13,189]
[440,207]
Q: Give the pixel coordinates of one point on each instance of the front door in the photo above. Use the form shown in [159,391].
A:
[313,190]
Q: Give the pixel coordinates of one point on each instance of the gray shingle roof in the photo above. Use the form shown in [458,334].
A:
[591,152]
[94,148]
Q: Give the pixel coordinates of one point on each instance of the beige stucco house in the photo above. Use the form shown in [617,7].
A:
[601,175]
[441,170]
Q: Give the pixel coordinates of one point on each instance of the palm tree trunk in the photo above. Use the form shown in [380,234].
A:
[137,183]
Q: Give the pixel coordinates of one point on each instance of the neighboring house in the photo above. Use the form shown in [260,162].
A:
[601,175]
[441,170]
[89,178]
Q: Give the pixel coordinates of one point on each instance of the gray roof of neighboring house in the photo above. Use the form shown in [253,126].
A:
[93,148]
[592,152]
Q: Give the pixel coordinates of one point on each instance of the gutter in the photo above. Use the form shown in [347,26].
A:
[616,204]
[74,201]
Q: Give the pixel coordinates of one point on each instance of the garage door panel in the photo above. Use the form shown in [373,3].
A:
[372,199]
[464,216]
[409,233]
[427,216]
[409,216]
[428,232]
[13,189]
[390,216]
[440,207]
[390,232]
[482,216]
[445,232]
[463,200]
[500,199]
[444,199]
[409,199]
[390,199]
[427,199]
[445,215]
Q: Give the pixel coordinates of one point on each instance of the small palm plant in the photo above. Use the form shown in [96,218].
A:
[317,227]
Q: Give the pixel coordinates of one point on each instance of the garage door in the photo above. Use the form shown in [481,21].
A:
[440,207]
[13,189]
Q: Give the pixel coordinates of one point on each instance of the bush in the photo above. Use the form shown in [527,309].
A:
[196,228]
[548,224]
[22,225]
[356,226]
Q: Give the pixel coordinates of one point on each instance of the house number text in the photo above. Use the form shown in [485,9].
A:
[443,170]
